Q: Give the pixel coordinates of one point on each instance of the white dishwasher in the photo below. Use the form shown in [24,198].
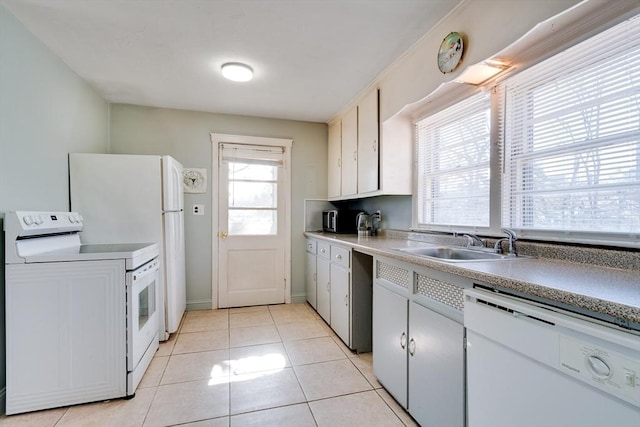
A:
[533,365]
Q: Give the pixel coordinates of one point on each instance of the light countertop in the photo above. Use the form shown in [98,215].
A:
[610,291]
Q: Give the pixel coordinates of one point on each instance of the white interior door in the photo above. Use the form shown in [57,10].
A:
[253,266]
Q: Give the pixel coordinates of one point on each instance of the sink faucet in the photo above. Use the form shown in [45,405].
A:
[473,240]
[511,238]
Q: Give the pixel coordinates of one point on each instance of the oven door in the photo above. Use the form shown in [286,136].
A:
[142,311]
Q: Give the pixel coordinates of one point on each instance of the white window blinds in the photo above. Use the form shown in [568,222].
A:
[252,154]
[453,155]
[572,138]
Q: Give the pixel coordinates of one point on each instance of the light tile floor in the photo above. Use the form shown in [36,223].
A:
[278,365]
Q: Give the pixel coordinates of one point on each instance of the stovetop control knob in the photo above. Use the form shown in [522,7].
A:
[28,219]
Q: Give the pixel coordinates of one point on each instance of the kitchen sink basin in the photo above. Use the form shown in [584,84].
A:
[456,254]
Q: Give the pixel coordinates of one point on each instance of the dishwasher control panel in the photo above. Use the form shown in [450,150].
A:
[602,368]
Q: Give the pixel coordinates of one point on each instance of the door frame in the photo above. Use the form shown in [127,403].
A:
[216,139]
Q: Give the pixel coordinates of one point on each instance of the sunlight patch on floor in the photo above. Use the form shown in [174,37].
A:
[247,368]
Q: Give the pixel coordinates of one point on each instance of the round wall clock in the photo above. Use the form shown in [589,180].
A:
[450,52]
[194,180]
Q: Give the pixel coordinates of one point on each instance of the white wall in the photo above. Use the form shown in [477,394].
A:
[488,26]
[46,111]
[185,135]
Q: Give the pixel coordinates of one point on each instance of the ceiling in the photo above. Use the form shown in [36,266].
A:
[311,57]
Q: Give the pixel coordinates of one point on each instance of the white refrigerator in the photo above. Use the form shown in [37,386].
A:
[136,199]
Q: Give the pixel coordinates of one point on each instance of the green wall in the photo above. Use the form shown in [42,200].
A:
[46,111]
[185,135]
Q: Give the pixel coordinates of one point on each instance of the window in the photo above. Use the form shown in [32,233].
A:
[572,138]
[253,188]
[562,158]
[453,152]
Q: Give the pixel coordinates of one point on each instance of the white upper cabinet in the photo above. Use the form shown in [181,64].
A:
[368,134]
[334,170]
[365,158]
[350,153]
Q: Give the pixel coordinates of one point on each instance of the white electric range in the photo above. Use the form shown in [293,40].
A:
[81,320]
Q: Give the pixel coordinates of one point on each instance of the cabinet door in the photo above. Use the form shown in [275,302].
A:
[311,279]
[368,159]
[350,153]
[323,301]
[390,312]
[436,368]
[340,302]
[334,170]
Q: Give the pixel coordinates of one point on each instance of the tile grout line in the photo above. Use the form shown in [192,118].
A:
[297,378]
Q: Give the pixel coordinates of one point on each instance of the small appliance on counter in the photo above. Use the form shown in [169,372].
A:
[363,224]
[341,221]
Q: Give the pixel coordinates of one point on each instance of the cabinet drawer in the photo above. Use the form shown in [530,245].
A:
[341,256]
[311,246]
[323,249]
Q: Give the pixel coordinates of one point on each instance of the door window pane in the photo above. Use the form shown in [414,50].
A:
[253,194]
[239,170]
[253,198]
[252,222]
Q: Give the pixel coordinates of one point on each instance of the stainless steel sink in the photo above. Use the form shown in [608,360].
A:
[451,254]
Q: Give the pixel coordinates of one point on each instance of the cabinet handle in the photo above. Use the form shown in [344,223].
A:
[375,145]
[339,163]
[355,156]
[412,347]
[322,250]
[403,340]
[338,256]
[346,300]
[328,286]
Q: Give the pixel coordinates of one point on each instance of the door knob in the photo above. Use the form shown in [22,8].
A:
[223,234]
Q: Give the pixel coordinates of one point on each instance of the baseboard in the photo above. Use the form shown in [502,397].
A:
[299,299]
[199,305]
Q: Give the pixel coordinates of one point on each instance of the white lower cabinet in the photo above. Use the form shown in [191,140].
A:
[311,277]
[323,269]
[418,342]
[343,292]
[436,368]
[340,310]
[390,357]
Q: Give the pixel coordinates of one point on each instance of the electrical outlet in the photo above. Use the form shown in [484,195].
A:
[198,209]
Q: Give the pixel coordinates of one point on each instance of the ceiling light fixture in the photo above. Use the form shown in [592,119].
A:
[237,71]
